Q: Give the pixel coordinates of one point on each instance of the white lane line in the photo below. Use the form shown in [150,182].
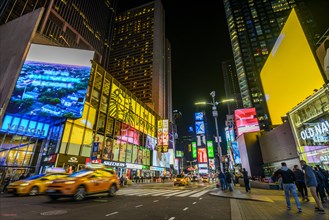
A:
[156,201]
[200,193]
[194,203]
[175,193]
[172,218]
[136,193]
[185,209]
[188,193]
[200,198]
[167,191]
[148,193]
[113,213]
[137,206]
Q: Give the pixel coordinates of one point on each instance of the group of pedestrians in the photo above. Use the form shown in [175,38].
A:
[315,179]
[227,180]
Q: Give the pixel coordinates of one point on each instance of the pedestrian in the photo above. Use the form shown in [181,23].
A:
[311,183]
[288,178]
[300,182]
[6,182]
[228,178]
[326,178]
[321,184]
[221,178]
[246,180]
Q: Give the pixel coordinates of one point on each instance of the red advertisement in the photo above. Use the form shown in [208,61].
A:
[246,120]
[202,155]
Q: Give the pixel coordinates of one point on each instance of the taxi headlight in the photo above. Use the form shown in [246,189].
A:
[24,184]
[49,182]
[175,179]
[69,182]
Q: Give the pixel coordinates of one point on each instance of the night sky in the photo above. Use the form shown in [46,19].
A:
[197,31]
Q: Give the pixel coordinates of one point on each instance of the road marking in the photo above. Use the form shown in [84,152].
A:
[200,198]
[137,206]
[188,193]
[175,193]
[113,213]
[185,209]
[194,203]
[156,201]
[167,197]
[172,218]
[200,193]
[163,192]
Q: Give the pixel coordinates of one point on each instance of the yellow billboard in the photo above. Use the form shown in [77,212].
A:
[290,73]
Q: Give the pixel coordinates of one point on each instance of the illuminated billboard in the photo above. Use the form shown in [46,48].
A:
[163,135]
[322,52]
[194,153]
[290,73]
[199,127]
[202,155]
[236,153]
[246,120]
[210,148]
[161,159]
[53,82]
[198,116]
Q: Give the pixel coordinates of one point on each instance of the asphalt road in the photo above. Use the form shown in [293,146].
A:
[141,201]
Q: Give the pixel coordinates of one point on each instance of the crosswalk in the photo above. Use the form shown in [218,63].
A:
[162,192]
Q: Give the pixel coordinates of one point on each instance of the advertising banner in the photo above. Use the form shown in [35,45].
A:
[202,155]
[210,148]
[161,159]
[122,152]
[246,120]
[108,153]
[116,149]
[212,164]
[179,153]
[236,153]
[135,154]
[53,82]
[129,153]
[198,116]
[194,152]
[199,127]
[94,151]
[163,135]
[203,168]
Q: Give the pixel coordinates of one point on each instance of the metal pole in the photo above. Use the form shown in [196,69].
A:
[218,145]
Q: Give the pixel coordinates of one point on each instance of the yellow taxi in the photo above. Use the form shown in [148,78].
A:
[84,183]
[205,179]
[181,180]
[33,185]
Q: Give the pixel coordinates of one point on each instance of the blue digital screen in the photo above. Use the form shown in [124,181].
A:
[53,82]
[199,116]
[199,127]
[236,153]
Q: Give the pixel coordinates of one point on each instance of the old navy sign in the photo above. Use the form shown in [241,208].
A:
[318,129]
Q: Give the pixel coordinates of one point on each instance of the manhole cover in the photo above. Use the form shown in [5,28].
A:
[54,212]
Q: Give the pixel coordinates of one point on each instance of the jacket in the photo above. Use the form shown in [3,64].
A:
[300,176]
[310,178]
[221,176]
[288,177]
[228,177]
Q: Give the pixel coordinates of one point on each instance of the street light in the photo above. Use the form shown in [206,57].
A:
[215,115]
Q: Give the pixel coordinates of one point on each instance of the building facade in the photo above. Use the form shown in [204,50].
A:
[231,85]
[141,55]
[254,26]
[70,23]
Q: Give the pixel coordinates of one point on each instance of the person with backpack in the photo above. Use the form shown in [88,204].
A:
[321,184]
[288,179]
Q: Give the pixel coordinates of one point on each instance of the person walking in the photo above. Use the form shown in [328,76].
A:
[288,178]
[246,180]
[321,184]
[221,178]
[6,182]
[228,178]
[311,183]
[300,182]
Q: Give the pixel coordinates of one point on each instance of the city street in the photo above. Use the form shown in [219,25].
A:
[141,201]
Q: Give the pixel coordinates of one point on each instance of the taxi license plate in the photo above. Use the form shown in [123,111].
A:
[51,190]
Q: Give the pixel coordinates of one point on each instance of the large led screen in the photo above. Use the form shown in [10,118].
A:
[53,82]
[202,155]
[246,120]
[236,153]
[161,159]
[290,73]
[199,127]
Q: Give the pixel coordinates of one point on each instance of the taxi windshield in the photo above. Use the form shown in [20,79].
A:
[80,173]
[35,177]
[180,176]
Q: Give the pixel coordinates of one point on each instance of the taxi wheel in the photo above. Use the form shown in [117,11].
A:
[53,198]
[112,190]
[80,194]
[34,191]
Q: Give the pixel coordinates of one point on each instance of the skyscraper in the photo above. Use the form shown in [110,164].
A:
[231,86]
[141,56]
[254,26]
[71,23]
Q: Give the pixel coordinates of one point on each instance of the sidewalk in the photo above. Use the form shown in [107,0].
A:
[267,204]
